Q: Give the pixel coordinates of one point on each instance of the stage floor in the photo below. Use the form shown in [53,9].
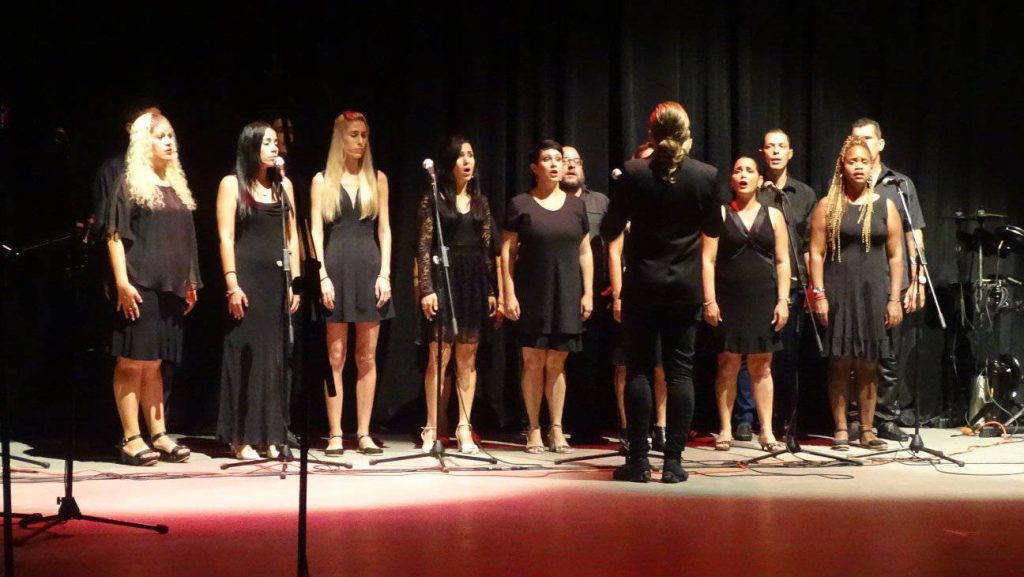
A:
[892,516]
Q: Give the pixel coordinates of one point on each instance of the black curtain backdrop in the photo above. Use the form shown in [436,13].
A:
[936,75]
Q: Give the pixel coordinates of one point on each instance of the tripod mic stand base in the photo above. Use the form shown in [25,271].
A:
[69,511]
[917,446]
[793,447]
[437,451]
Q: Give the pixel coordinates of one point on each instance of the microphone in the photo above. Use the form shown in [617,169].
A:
[616,173]
[279,165]
[770,186]
[893,180]
[428,165]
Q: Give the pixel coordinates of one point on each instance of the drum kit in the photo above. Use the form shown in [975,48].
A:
[997,392]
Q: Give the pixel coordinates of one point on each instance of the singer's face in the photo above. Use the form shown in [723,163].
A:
[745,176]
[465,164]
[164,144]
[875,144]
[355,139]
[573,167]
[549,166]
[268,148]
[857,165]
[776,151]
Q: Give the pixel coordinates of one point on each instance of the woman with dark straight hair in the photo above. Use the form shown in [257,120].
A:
[469,233]
[253,387]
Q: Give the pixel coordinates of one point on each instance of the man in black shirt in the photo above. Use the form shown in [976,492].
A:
[886,182]
[669,200]
[582,368]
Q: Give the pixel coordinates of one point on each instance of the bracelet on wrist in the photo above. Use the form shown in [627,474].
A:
[784,300]
[384,277]
[709,303]
[233,291]
[230,272]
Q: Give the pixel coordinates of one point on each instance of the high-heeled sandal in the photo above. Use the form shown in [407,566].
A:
[244,452]
[137,459]
[272,452]
[723,444]
[179,454]
[373,449]
[563,448]
[428,445]
[840,444]
[338,451]
[875,444]
[772,446]
[533,449]
[470,447]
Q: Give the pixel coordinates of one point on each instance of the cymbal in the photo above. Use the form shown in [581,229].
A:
[979,215]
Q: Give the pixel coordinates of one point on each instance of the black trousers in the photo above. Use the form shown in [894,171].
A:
[677,327]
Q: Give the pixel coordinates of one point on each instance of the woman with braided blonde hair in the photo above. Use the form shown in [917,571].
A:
[855,296]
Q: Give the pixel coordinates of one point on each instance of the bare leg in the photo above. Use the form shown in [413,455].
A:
[366,379]
[152,399]
[554,391]
[465,366]
[866,374]
[725,392]
[127,390]
[838,392]
[760,368]
[337,349]
[429,434]
[533,393]
[660,396]
[620,393]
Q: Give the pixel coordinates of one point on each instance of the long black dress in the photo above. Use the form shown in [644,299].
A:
[472,250]
[353,259]
[253,385]
[548,277]
[858,287]
[745,285]
[162,264]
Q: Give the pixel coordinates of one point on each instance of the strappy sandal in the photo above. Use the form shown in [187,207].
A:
[373,449]
[840,444]
[563,448]
[179,454]
[875,444]
[428,445]
[771,447]
[469,447]
[138,459]
[533,449]
[244,452]
[723,444]
[335,452]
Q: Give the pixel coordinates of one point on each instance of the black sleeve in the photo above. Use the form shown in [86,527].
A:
[119,214]
[711,209]
[488,246]
[614,221]
[513,216]
[424,242]
[914,204]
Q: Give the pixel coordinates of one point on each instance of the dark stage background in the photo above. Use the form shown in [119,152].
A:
[936,75]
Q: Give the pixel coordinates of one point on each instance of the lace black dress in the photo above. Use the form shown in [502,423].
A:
[253,386]
[472,250]
[857,286]
[162,263]
[745,285]
[352,256]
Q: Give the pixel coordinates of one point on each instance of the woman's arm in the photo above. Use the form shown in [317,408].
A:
[509,254]
[316,230]
[615,274]
[783,270]
[382,287]
[587,266]
[227,205]
[709,254]
[817,261]
[294,262]
[894,248]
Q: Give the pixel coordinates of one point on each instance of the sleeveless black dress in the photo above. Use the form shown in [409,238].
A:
[745,285]
[858,287]
[253,385]
[353,258]
[471,250]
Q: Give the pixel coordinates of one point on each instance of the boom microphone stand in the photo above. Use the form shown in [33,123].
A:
[916,443]
[437,451]
[792,443]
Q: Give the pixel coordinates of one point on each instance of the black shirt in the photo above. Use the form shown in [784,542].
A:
[597,207]
[664,248]
[104,187]
[889,190]
[800,200]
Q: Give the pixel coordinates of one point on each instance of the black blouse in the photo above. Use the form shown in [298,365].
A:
[461,231]
[159,244]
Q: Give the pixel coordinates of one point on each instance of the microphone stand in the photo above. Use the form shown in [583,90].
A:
[437,451]
[916,443]
[792,443]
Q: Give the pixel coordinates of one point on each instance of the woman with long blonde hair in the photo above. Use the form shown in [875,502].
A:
[352,231]
[152,244]
[855,247]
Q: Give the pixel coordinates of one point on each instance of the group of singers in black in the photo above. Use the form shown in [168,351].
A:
[675,257]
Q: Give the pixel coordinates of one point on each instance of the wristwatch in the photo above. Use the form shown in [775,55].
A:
[818,290]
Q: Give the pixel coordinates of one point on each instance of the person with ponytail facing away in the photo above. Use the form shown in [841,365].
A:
[670,200]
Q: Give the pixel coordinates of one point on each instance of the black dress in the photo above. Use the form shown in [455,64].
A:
[548,277]
[472,250]
[253,384]
[162,264]
[858,286]
[353,258]
[745,285]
